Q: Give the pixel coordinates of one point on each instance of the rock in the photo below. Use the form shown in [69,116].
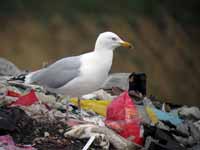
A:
[117,80]
[7,68]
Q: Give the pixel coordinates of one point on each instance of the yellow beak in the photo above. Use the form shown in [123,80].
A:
[126,44]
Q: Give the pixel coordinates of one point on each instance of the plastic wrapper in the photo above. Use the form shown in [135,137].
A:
[98,106]
[26,100]
[122,116]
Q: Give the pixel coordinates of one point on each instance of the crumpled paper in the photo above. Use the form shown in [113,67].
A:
[103,136]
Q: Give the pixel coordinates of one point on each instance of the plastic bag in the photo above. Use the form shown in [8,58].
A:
[122,116]
[155,115]
[165,116]
[98,106]
[26,100]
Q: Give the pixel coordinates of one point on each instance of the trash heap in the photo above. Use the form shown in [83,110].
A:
[119,116]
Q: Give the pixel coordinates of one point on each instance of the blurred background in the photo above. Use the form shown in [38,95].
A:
[165,34]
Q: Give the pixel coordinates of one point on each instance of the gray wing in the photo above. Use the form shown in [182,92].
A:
[59,73]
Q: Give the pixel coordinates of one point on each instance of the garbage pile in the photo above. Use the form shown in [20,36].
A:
[120,117]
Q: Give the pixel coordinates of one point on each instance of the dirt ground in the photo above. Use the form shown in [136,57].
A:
[26,130]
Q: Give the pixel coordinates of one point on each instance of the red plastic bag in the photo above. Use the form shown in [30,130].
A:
[26,100]
[122,116]
[13,94]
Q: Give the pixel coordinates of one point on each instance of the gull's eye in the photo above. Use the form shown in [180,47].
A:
[114,39]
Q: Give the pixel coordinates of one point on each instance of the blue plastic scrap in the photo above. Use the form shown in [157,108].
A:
[165,116]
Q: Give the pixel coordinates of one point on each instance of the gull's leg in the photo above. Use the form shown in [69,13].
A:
[79,104]
[79,108]
[66,102]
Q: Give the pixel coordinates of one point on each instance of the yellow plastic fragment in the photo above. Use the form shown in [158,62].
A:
[98,106]
[151,115]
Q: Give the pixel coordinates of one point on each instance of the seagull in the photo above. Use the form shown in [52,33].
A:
[79,75]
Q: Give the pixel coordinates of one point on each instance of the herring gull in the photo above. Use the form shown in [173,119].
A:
[79,75]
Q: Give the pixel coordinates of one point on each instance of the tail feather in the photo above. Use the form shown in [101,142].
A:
[28,78]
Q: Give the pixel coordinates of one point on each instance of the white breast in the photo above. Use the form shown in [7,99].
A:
[96,63]
[93,72]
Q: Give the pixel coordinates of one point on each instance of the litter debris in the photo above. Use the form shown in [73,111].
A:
[89,143]
[7,143]
[123,117]
[99,95]
[7,68]
[159,139]
[25,100]
[42,133]
[103,136]
[137,83]
[192,138]
[12,94]
[117,80]
[98,106]
[46,134]
[111,118]
[12,119]
[192,113]
[152,115]
[156,115]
